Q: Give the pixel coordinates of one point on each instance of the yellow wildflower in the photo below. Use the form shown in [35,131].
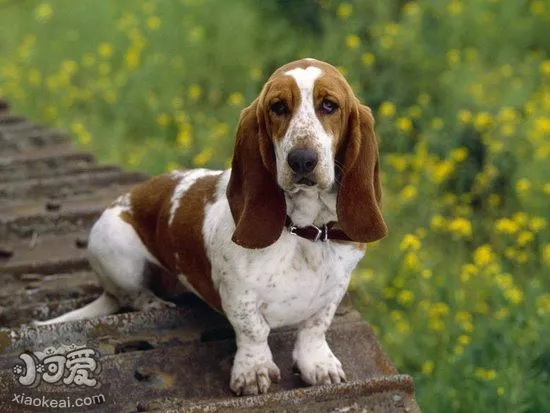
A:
[442,171]
[105,50]
[525,237]
[203,157]
[537,7]
[437,123]
[545,67]
[154,22]
[453,56]
[405,297]
[507,114]
[459,154]
[171,166]
[454,7]
[415,111]
[403,327]
[514,295]
[520,218]
[344,10]
[437,222]
[255,73]
[409,193]
[426,274]
[352,41]
[236,99]
[387,109]
[483,255]
[467,271]
[183,138]
[132,58]
[439,309]
[411,261]
[43,12]
[464,116]
[163,120]
[399,163]
[523,185]
[368,59]
[461,226]
[494,200]
[506,225]
[424,99]
[427,368]
[502,313]
[404,124]
[411,8]
[546,188]
[464,340]
[436,324]
[484,374]
[482,120]
[410,241]
[195,92]
[504,280]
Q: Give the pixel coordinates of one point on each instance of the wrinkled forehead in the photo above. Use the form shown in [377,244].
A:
[294,78]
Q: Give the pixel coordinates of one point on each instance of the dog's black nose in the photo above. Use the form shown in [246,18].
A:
[302,161]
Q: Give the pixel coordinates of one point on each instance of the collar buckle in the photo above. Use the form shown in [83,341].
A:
[321,235]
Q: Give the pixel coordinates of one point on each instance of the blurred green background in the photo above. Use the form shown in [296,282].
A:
[459,291]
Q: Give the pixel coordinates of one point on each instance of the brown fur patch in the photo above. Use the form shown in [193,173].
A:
[151,202]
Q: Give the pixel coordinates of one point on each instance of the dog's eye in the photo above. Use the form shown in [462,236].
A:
[280,108]
[328,106]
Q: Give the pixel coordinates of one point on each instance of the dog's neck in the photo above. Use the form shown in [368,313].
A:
[311,207]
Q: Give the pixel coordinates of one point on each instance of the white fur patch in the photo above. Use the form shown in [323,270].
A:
[186,179]
[124,202]
[305,129]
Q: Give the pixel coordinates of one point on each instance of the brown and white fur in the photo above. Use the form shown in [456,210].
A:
[222,234]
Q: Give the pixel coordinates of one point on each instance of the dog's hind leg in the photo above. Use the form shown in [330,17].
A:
[120,259]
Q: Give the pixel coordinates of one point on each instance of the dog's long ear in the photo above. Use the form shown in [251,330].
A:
[257,203]
[359,196]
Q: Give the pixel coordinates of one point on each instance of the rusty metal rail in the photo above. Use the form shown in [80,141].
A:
[158,361]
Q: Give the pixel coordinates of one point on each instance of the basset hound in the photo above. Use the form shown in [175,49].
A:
[270,242]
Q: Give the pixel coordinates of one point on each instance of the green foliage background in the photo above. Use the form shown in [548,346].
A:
[459,291]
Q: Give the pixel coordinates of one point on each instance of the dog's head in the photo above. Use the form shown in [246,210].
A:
[306,131]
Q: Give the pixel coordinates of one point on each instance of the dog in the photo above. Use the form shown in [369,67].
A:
[270,242]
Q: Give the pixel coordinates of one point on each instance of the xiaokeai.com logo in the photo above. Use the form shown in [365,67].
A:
[69,365]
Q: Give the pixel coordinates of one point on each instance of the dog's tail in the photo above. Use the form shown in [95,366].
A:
[105,304]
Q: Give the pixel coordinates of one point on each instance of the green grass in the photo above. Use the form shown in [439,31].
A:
[459,291]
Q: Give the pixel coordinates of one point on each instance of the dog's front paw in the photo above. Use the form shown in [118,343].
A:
[319,365]
[253,374]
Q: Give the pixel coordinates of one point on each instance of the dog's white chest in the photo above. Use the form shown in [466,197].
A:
[290,280]
[308,280]
[300,277]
